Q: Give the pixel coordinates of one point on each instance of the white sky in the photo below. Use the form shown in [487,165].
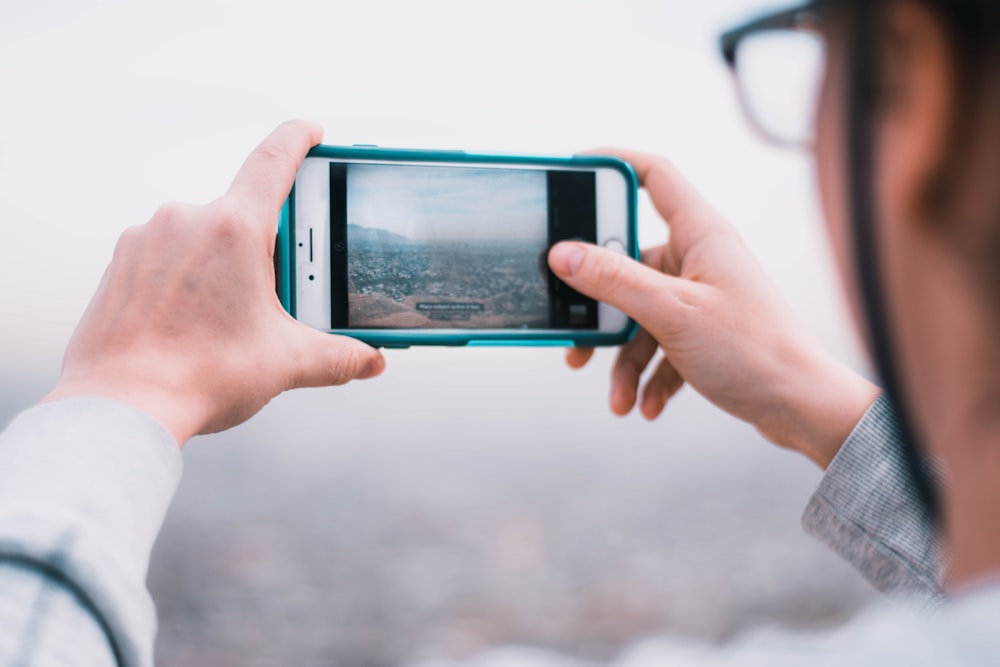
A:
[111,107]
[448,203]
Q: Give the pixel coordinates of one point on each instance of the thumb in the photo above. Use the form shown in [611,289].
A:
[642,293]
[323,359]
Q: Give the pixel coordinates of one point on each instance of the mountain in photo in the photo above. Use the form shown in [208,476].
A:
[359,234]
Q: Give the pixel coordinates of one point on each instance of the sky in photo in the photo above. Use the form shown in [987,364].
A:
[427,203]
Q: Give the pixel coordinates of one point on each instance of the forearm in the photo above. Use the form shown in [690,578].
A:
[84,486]
[45,621]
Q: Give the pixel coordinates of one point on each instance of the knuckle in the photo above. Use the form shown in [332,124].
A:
[224,222]
[128,239]
[630,367]
[320,359]
[346,365]
[169,214]
[273,152]
[609,273]
[131,233]
[227,218]
[660,163]
[656,166]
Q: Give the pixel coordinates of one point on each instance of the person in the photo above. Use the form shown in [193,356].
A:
[185,335]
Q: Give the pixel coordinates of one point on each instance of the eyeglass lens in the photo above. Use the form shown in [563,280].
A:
[779,74]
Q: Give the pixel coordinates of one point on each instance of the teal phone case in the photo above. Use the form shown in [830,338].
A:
[284,260]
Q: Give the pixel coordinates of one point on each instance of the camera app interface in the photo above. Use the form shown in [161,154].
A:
[416,246]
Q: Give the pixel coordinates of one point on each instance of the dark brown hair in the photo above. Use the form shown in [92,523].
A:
[963,194]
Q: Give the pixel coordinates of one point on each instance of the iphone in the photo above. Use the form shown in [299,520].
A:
[401,247]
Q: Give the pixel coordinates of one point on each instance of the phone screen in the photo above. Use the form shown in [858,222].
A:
[416,246]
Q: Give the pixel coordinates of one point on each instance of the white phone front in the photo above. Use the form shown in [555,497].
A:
[402,248]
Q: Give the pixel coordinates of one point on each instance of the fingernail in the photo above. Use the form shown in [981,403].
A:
[373,368]
[565,258]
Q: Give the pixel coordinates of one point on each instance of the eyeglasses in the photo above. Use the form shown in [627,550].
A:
[778,62]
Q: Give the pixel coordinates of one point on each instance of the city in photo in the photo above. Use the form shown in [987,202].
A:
[446,247]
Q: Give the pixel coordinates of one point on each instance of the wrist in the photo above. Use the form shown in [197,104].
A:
[159,405]
[820,404]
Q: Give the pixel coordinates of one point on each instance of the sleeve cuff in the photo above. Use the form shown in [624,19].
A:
[867,511]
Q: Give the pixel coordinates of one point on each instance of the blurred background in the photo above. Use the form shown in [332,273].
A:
[467,499]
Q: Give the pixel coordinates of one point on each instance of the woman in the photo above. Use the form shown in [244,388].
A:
[906,140]
[186,336]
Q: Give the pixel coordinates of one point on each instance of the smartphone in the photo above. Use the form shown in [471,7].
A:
[401,247]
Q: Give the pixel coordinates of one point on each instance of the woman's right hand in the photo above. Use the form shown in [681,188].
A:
[721,324]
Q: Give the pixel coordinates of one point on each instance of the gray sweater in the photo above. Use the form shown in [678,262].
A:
[85,484]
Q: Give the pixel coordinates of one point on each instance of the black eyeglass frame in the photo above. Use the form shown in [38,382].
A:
[805,16]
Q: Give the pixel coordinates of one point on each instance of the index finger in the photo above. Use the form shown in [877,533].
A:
[675,198]
[266,177]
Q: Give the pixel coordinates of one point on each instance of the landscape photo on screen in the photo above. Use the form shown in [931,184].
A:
[447,247]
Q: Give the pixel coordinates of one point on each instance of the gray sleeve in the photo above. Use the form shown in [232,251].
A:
[867,510]
[84,487]
[44,622]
